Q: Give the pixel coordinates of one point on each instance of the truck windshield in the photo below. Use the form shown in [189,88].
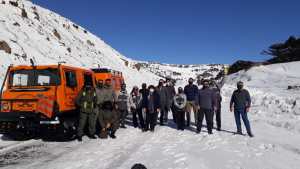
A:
[34,77]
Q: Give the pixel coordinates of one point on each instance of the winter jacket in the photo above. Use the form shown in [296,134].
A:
[135,100]
[170,95]
[153,102]
[144,93]
[86,100]
[191,92]
[218,97]
[123,100]
[206,98]
[241,99]
[163,95]
[104,95]
[180,101]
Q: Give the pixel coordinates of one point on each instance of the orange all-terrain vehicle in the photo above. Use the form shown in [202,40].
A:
[37,98]
[116,77]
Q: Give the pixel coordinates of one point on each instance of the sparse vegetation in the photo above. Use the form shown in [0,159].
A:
[5,47]
[24,13]
[13,3]
[90,43]
[56,34]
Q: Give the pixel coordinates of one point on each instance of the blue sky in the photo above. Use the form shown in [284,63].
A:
[185,31]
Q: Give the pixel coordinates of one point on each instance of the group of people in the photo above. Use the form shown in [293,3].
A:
[151,104]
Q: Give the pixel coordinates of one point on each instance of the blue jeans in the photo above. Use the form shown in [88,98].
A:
[237,115]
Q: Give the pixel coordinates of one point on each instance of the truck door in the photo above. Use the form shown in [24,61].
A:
[71,88]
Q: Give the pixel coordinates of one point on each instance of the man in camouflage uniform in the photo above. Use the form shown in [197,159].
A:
[107,116]
[86,100]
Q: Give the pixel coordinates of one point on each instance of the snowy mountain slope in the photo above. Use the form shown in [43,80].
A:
[181,73]
[49,38]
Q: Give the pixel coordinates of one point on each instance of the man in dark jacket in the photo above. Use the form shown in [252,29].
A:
[163,95]
[153,108]
[86,100]
[170,95]
[217,92]
[240,102]
[191,92]
[206,102]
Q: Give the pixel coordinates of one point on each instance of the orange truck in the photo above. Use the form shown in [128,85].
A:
[36,98]
[116,77]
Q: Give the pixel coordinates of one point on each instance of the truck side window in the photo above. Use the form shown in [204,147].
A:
[71,78]
[88,79]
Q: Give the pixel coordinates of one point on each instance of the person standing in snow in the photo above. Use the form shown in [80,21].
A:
[217,91]
[153,108]
[107,116]
[123,105]
[170,95]
[163,95]
[240,103]
[144,107]
[206,101]
[191,92]
[179,108]
[135,101]
[86,100]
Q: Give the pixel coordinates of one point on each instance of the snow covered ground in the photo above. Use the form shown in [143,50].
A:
[275,145]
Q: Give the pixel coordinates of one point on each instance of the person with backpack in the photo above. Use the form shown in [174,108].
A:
[153,108]
[240,103]
[123,106]
[135,101]
[191,92]
[207,105]
[86,101]
[179,103]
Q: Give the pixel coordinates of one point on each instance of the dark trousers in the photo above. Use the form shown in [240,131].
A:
[137,114]
[163,115]
[151,120]
[218,118]
[237,115]
[208,113]
[85,118]
[122,116]
[180,119]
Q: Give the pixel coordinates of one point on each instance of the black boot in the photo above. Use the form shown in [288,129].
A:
[79,138]
[92,136]
[250,135]
[112,135]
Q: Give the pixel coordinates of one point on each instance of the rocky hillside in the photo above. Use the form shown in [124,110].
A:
[29,31]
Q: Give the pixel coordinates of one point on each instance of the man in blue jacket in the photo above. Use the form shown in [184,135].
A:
[240,102]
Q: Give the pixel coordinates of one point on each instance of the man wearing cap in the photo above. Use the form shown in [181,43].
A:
[240,103]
